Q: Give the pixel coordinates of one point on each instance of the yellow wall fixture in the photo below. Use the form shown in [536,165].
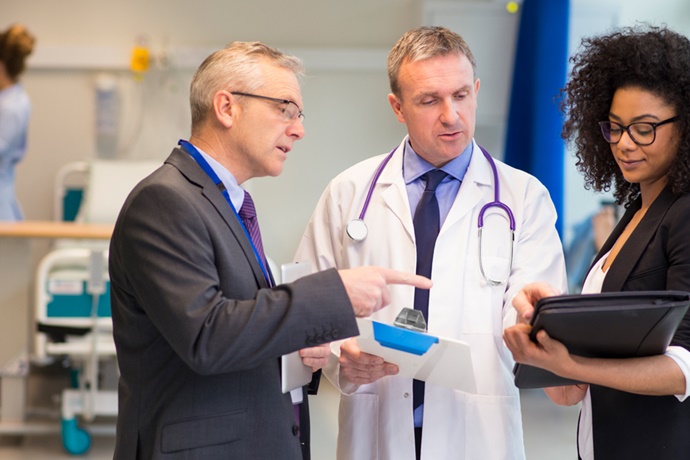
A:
[141,58]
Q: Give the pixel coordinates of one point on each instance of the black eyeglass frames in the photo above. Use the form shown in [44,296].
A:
[290,111]
[641,132]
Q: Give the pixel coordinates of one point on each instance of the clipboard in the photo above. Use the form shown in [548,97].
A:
[293,373]
[607,325]
[419,355]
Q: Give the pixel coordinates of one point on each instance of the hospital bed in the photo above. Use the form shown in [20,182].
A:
[72,295]
[73,325]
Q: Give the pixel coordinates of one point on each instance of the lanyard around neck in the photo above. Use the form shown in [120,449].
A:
[201,161]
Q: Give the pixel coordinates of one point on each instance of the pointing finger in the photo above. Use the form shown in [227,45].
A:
[396,277]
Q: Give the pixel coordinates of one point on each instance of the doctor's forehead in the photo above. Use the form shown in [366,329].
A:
[450,73]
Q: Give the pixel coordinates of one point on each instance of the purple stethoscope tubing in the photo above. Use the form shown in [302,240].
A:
[357,230]
[497,200]
[497,203]
[373,183]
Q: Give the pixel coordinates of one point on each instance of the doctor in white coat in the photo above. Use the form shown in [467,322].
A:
[434,92]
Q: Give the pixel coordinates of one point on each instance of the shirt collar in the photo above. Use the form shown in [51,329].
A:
[234,190]
[415,166]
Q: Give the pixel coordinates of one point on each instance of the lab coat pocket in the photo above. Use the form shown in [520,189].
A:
[360,413]
[499,417]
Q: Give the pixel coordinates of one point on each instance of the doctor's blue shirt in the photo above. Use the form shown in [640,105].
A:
[415,166]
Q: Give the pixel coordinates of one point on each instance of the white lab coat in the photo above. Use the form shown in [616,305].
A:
[375,420]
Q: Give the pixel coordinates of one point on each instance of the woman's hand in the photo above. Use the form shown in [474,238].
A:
[546,353]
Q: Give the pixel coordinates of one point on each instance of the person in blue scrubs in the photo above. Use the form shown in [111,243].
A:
[16,43]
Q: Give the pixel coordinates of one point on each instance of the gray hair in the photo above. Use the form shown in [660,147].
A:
[234,68]
[424,43]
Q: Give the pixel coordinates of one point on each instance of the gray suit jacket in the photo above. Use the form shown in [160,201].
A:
[198,335]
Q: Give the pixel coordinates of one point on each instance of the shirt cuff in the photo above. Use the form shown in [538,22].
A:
[682,358]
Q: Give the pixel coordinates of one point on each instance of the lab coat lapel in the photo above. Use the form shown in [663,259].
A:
[474,186]
[637,243]
[194,174]
[394,192]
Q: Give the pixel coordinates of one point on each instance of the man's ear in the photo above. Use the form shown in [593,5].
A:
[225,107]
[396,104]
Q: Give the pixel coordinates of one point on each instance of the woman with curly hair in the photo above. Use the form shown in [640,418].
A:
[16,43]
[626,105]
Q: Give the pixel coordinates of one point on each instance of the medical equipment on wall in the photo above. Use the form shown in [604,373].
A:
[140,60]
[357,229]
[107,116]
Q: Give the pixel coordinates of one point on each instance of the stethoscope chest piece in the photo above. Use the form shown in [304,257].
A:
[357,230]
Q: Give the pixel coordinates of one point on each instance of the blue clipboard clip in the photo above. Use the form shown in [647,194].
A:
[408,333]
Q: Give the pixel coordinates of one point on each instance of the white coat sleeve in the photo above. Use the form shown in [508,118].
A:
[322,246]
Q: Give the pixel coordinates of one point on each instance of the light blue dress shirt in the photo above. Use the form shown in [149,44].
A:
[234,190]
[415,166]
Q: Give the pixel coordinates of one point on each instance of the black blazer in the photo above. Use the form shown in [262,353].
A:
[655,257]
[198,336]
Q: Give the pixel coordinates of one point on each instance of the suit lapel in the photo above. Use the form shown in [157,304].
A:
[631,252]
[195,175]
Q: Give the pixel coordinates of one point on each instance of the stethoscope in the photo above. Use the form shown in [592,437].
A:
[357,229]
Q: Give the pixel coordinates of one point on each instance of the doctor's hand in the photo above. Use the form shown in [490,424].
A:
[367,287]
[361,368]
[528,296]
[315,357]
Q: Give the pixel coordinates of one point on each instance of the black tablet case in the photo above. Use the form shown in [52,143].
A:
[607,325]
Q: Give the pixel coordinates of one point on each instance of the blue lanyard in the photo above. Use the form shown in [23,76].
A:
[201,161]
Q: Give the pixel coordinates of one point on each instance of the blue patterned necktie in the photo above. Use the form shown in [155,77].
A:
[427,223]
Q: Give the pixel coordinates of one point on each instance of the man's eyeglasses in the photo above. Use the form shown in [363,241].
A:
[641,132]
[290,110]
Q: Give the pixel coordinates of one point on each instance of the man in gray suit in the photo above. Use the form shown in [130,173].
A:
[198,324]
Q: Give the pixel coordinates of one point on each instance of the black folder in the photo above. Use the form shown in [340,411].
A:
[608,325]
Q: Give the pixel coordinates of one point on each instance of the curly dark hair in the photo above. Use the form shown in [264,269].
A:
[654,59]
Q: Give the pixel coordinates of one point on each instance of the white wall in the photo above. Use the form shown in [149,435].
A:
[347,114]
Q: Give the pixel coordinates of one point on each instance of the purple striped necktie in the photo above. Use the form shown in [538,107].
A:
[248,215]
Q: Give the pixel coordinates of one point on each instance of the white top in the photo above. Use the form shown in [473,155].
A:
[592,285]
